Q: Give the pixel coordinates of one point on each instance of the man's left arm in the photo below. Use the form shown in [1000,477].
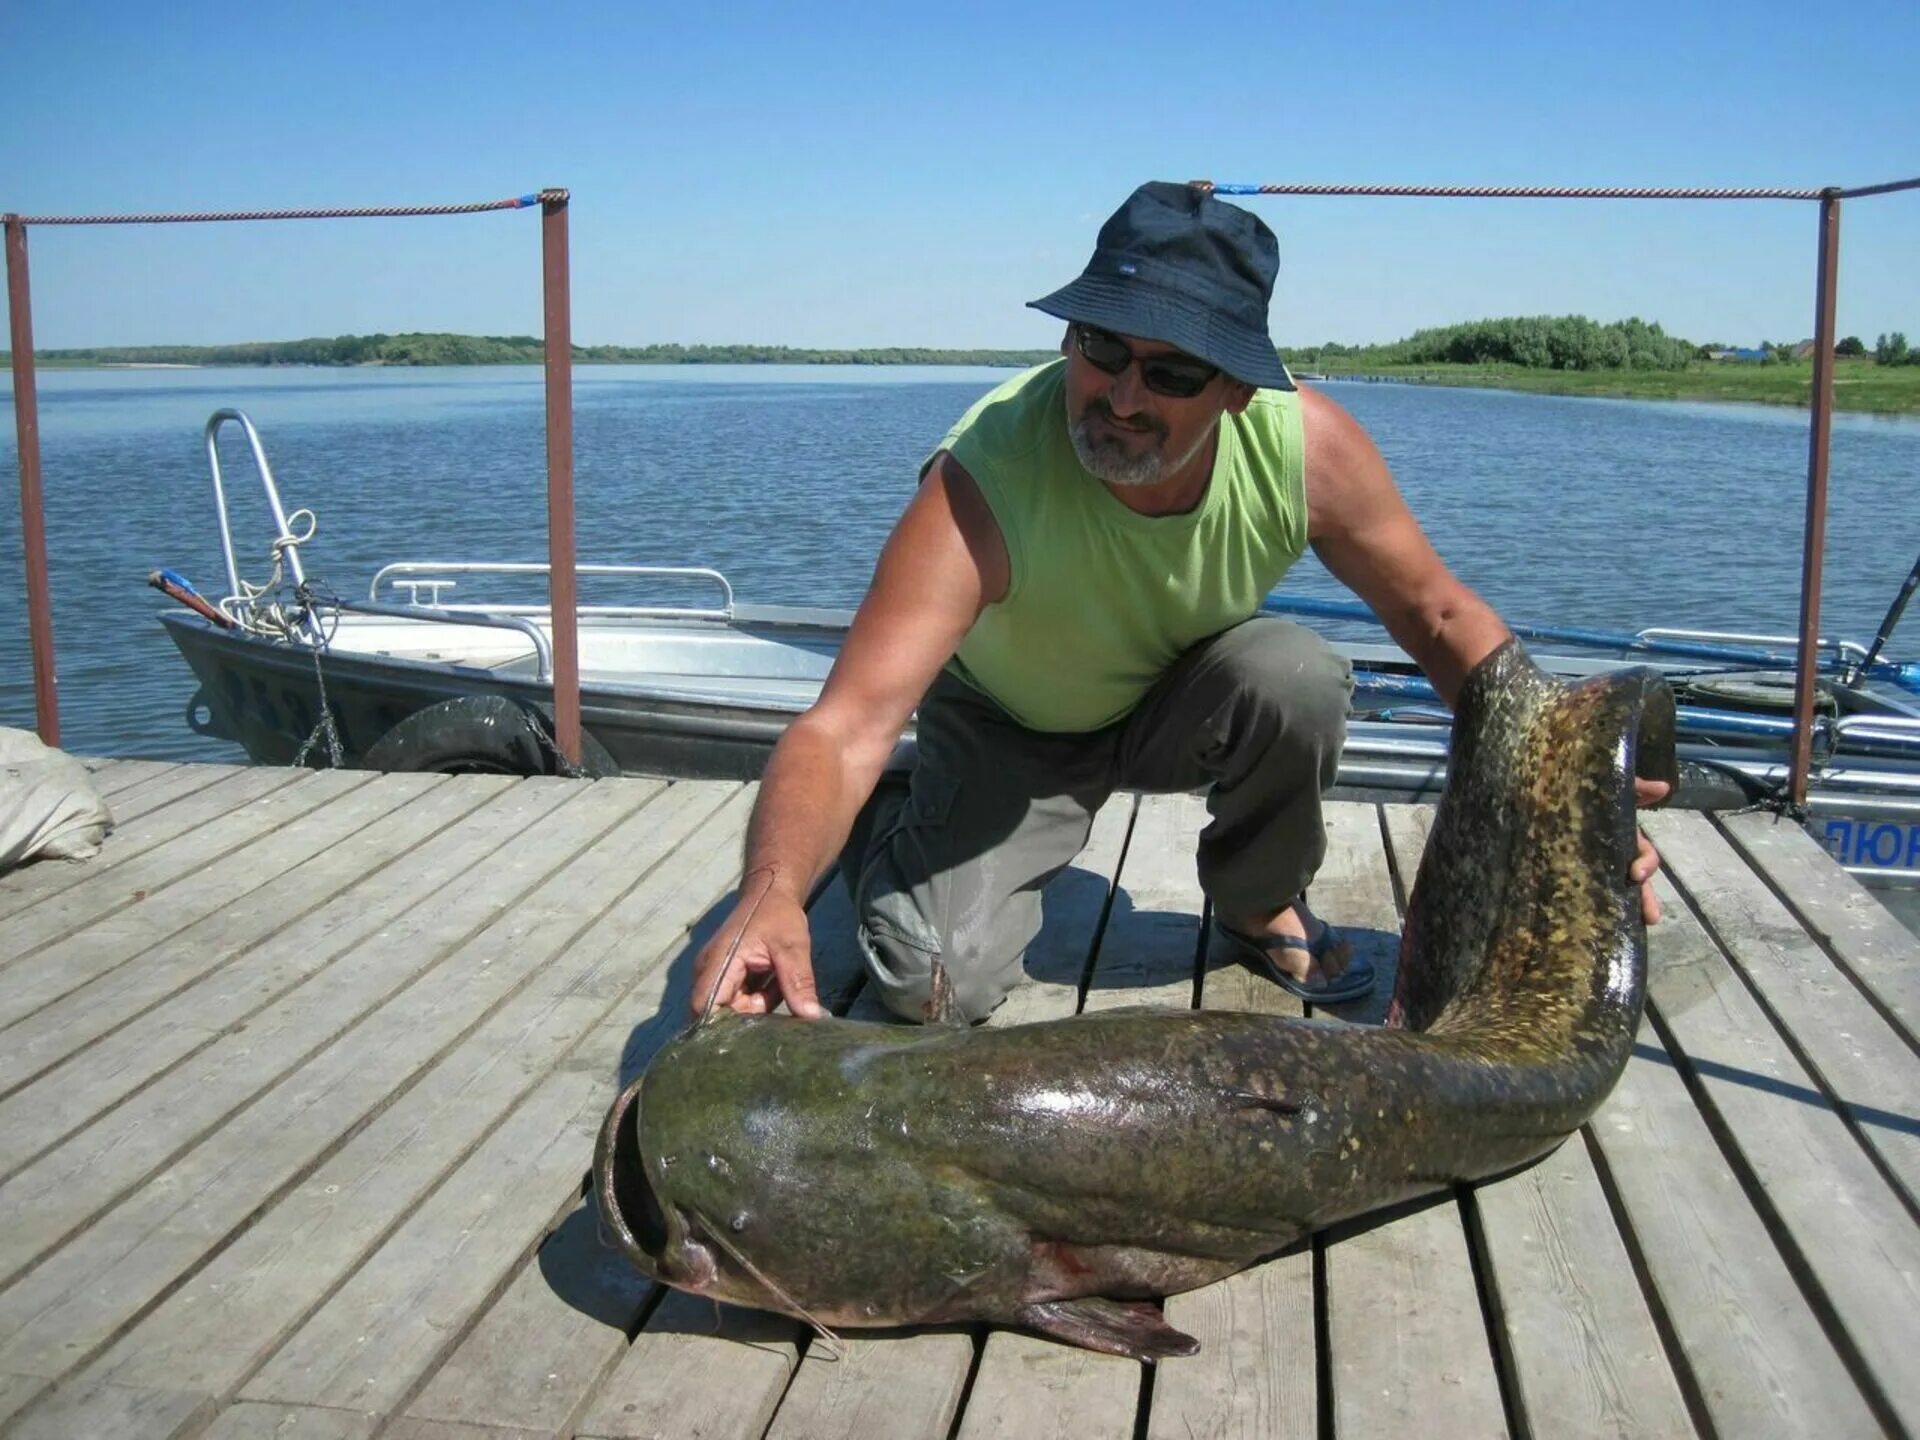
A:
[1363,532]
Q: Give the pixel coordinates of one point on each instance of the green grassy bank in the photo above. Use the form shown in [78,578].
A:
[1858,385]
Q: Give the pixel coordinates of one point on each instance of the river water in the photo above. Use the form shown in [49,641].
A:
[1604,513]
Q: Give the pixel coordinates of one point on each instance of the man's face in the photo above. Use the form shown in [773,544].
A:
[1126,434]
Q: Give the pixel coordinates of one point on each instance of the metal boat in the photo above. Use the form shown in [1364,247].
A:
[294,673]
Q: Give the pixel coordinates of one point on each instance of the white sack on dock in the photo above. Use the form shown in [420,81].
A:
[48,804]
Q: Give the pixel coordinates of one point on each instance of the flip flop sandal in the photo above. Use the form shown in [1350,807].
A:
[1353,983]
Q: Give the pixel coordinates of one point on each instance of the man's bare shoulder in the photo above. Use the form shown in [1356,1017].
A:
[1343,467]
[974,518]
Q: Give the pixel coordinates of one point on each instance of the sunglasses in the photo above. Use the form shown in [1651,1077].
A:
[1179,377]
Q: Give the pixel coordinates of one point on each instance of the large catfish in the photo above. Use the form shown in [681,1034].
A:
[1052,1175]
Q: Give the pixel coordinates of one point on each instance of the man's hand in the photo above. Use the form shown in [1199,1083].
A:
[772,961]
[1647,861]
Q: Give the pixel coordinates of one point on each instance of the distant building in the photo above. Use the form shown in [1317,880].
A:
[1739,354]
[1804,350]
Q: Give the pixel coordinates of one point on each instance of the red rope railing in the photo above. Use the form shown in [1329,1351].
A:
[1514,192]
[374,212]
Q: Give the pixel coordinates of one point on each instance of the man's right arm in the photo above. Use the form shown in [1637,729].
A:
[944,562]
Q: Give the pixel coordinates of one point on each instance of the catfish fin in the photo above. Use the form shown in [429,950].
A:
[1278,1104]
[941,1008]
[1131,1328]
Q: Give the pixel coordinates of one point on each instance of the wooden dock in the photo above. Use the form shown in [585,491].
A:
[299,1077]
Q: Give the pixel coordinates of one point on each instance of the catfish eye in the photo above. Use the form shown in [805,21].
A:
[739,1221]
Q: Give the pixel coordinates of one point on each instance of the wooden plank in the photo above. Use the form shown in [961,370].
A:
[175,782]
[63,1187]
[1255,1375]
[111,776]
[881,1385]
[366,1347]
[16,1391]
[1582,1340]
[1854,1232]
[224,1320]
[1587,1358]
[1030,1389]
[1879,953]
[185,931]
[540,1351]
[263,992]
[217,1179]
[34,977]
[112,1412]
[403,1303]
[1407,1344]
[1071,907]
[294,1422]
[137,835]
[658,1397]
[1354,891]
[1757,1355]
[691,1350]
[1403,1303]
[452,1430]
[1847,1044]
[70,1061]
[1149,953]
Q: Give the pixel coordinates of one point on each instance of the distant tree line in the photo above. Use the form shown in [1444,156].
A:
[443,349]
[1544,342]
[1535,342]
[1892,350]
[1565,342]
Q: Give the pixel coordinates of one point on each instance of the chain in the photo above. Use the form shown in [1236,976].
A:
[336,756]
[562,766]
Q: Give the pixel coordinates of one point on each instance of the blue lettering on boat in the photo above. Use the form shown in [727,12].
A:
[1886,845]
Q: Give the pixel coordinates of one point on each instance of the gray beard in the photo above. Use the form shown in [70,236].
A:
[1107,460]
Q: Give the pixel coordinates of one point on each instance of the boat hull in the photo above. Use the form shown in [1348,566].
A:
[264,696]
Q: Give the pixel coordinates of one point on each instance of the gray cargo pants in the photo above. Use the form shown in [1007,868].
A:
[954,865]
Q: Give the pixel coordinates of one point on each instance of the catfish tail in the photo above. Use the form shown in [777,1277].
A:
[1523,921]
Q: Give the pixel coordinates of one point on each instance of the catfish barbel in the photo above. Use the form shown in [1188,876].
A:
[1055,1175]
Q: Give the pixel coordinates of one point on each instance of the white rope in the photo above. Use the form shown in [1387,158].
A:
[246,609]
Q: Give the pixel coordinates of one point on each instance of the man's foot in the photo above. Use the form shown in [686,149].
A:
[1303,955]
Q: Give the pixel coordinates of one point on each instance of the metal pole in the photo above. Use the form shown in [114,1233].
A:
[562,582]
[33,527]
[1820,435]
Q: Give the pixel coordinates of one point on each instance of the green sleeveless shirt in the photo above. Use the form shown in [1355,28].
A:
[1102,599]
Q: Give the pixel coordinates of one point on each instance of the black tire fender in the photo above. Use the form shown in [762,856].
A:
[481,735]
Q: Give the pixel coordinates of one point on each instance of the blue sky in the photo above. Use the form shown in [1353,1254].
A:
[867,174]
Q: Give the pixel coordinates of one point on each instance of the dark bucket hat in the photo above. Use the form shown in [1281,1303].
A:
[1176,265]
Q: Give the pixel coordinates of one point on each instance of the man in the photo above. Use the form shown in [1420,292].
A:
[1071,601]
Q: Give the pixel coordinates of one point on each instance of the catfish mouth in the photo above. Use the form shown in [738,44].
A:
[632,1217]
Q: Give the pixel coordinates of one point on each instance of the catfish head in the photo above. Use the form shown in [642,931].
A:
[754,1148]
[838,1172]
[666,1206]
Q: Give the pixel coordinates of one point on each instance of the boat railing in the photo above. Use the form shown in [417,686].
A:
[1718,647]
[1844,651]
[435,577]
[286,544]
[1890,729]
[542,646]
